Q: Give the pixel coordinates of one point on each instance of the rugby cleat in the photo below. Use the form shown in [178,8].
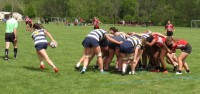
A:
[56,70]
[41,66]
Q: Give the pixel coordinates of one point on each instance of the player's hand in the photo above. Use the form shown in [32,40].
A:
[15,39]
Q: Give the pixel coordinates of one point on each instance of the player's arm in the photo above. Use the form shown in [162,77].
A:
[112,40]
[159,34]
[151,43]
[49,35]
[168,50]
[15,34]
[136,53]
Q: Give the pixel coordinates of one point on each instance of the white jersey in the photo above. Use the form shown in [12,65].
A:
[39,36]
[97,34]
[135,41]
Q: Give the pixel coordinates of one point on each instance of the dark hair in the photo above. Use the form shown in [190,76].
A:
[37,26]
[114,29]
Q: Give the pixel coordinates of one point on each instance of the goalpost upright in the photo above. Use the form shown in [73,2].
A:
[195,23]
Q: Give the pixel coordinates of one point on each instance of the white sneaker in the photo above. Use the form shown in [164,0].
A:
[134,73]
[178,73]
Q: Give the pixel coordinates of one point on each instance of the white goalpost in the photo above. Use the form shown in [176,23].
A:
[195,23]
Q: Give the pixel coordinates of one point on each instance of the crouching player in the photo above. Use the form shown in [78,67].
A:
[186,49]
[39,37]
[131,49]
[91,42]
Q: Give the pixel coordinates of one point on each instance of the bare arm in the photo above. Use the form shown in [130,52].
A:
[159,34]
[168,50]
[136,54]
[15,34]
[112,40]
[49,35]
[151,43]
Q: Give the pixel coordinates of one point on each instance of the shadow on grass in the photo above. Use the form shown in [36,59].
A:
[34,68]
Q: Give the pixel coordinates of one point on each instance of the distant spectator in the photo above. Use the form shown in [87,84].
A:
[169,28]
[29,23]
[96,23]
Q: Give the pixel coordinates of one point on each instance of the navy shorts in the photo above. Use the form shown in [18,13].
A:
[126,47]
[90,42]
[112,45]
[103,43]
[40,46]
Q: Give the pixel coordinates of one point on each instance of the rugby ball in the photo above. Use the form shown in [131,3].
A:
[53,44]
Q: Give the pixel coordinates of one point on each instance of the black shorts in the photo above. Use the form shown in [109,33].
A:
[169,33]
[9,37]
[187,49]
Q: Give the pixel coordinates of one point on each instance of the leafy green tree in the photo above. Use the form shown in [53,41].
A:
[8,7]
[30,11]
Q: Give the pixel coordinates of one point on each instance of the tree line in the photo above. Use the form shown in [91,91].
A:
[180,12]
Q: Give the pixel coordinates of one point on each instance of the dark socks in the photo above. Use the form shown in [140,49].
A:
[15,52]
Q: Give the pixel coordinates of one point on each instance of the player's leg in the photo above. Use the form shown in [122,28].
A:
[181,57]
[98,53]
[110,57]
[15,48]
[162,55]
[87,53]
[46,57]
[41,60]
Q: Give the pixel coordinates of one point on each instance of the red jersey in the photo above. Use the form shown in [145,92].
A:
[27,19]
[180,44]
[169,27]
[159,40]
[96,22]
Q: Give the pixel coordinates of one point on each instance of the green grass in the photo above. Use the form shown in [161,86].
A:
[23,76]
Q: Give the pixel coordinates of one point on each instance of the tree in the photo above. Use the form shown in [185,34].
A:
[30,11]
[8,7]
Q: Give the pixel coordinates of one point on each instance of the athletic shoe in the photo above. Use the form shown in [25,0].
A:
[83,72]
[165,72]
[15,57]
[187,71]
[103,72]
[96,66]
[175,68]
[6,58]
[132,73]
[41,66]
[56,70]
[77,68]
[155,71]
[123,73]
[178,72]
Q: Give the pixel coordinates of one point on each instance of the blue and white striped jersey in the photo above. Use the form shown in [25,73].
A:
[97,34]
[135,41]
[119,37]
[39,36]
[143,35]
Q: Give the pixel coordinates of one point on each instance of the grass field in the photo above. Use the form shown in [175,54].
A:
[23,76]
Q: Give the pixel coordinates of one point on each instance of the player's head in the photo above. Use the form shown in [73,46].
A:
[37,26]
[14,15]
[168,21]
[169,40]
[113,30]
